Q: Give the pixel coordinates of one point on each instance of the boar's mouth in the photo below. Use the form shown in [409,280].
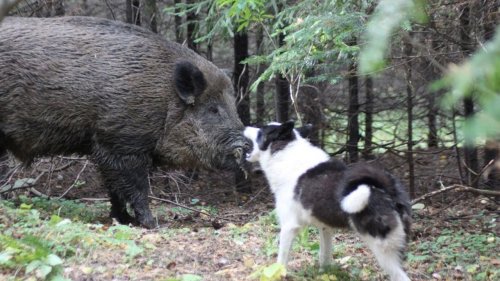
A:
[239,154]
[234,157]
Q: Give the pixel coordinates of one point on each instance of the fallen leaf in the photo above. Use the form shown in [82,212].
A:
[248,262]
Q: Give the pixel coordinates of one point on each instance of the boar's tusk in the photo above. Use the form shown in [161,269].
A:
[238,154]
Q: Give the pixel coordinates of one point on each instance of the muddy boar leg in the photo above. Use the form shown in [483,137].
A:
[130,185]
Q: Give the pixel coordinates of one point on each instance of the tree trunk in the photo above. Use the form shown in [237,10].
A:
[210,51]
[191,19]
[240,83]
[178,22]
[470,151]
[240,76]
[367,152]
[353,111]
[492,147]
[432,139]
[132,12]
[409,109]
[260,107]
[282,97]
[310,107]
[149,15]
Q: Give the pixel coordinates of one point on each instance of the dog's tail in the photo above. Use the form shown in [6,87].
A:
[378,209]
[357,200]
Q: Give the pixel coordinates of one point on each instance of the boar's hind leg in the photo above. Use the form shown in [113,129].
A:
[129,185]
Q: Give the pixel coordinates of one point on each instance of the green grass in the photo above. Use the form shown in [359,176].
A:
[39,239]
[32,245]
[72,209]
[459,251]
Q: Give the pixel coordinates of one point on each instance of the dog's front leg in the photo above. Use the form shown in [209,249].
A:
[287,234]
[325,246]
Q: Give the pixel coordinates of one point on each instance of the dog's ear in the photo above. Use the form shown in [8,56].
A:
[271,133]
[305,130]
[288,125]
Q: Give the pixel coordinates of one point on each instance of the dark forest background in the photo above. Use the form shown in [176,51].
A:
[300,60]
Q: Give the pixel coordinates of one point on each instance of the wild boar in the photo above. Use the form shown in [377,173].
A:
[120,94]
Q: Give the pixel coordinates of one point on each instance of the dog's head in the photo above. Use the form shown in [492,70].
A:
[272,133]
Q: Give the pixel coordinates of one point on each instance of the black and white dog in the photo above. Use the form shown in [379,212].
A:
[310,188]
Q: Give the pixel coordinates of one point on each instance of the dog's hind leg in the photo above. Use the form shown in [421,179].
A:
[287,234]
[388,251]
[325,246]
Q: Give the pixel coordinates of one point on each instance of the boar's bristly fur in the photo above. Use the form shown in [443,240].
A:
[118,93]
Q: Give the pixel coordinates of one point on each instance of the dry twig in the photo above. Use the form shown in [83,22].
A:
[191,209]
[75,182]
[456,187]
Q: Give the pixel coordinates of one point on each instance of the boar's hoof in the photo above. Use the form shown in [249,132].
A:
[147,222]
[123,217]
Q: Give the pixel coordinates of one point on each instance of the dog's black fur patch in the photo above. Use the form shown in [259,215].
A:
[321,189]
[317,190]
[276,136]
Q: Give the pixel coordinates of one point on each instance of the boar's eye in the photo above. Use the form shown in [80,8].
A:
[213,109]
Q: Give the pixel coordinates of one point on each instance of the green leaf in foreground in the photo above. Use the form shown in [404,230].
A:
[418,206]
[274,272]
[388,15]
[191,277]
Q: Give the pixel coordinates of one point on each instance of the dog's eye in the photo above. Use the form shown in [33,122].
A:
[259,137]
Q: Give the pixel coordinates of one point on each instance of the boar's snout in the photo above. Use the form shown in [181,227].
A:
[240,148]
[236,151]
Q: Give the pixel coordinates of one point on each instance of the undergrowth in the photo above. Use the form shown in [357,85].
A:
[35,246]
[45,239]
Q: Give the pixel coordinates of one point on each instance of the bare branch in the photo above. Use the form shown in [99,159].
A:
[75,182]
[24,185]
[191,209]
[456,187]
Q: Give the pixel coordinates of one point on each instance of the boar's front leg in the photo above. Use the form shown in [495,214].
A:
[119,208]
[129,185]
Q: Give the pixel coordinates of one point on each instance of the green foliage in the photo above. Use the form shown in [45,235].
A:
[191,277]
[388,15]
[40,247]
[318,36]
[273,272]
[307,240]
[73,209]
[243,12]
[31,253]
[458,249]
[479,77]
[223,17]
[330,273]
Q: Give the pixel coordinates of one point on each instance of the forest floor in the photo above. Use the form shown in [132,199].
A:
[215,233]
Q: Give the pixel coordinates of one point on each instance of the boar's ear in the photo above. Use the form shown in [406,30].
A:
[305,130]
[189,81]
